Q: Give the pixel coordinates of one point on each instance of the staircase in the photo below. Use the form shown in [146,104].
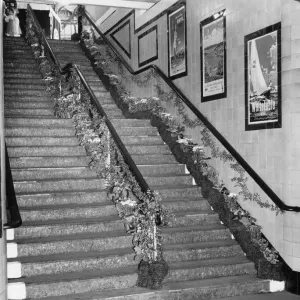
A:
[72,244]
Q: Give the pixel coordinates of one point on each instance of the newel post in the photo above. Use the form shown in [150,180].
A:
[81,8]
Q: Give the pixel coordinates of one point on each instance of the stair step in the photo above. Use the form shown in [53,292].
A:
[203,289]
[148,149]
[161,169]
[45,141]
[45,151]
[76,197]
[25,80]
[164,180]
[52,173]
[24,92]
[20,104]
[63,123]
[131,123]
[57,185]
[32,64]
[178,191]
[39,131]
[19,86]
[21,76]
[99,88]
[189,204]
[154,159]
[29,112]
[22,72]
[47,162]
[136,131]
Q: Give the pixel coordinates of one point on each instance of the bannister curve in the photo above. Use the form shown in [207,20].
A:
[263,185]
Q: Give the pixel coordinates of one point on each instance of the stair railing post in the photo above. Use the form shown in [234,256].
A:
[80,27]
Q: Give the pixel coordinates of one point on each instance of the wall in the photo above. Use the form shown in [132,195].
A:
[274,153]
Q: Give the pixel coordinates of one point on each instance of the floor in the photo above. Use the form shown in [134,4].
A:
[270,296]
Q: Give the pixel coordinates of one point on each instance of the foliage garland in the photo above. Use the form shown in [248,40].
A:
[197,152]
[142,213]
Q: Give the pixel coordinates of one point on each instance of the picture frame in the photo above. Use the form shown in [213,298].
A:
[177,43]
[263,78]
[213,57]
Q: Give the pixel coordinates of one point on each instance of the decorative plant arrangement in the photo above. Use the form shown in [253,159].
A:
[142,213]
[172,130]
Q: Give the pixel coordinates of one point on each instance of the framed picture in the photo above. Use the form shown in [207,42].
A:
[213,57]
[177,50]
[262,78]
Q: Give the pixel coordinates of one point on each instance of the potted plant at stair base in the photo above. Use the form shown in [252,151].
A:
[149,217]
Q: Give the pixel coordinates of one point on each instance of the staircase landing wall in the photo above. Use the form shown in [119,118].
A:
[273,153]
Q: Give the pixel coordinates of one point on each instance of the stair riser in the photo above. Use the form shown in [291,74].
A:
[63,198]
[161,169]
[183,205]
[62,123]
[12,80]
[131,123]
[103,94]
[122,260]
[144,140]
[179,193]
[20,66]
[45,151]
[22,73]
[19,76]
[19,60]
[210,272]
[28,105]
[29,112]
[57,186]
[135,131]
[153,159]
[98,89]
[27,131]
[65,214]
[46,174]
[48,162]
[25,86]
[192,220]
[64,288]
[40,93]
[60,267]
[37,141]
[196,236]
[87,245]
[169,180]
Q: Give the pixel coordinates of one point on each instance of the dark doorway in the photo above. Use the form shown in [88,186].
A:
[41,15]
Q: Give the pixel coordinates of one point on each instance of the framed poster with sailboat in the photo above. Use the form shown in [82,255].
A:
[262,78]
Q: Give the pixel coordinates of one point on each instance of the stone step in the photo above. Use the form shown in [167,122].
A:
[61,123]
[203,289]
[154,159]
[164,180]
[76,58]
[75,282]
[37,141]
[161,169]
[131,123]
[34,75]
[26,51]
[144,140]
[42,131]
[98,88]
[103,95]
[32,64]
[29,112]
[187,204]
[45,151]
[48,162]
[148,149]
[136,131]
[22,72]
[19,86]
[65,213]
[7,47]
[84,261]
[19,60]
[23,81]
[92,78]
[73,49]
[51,186]
[28,105]
[75,197]
[24,92]
[178,191]
[38,174]
[82,63]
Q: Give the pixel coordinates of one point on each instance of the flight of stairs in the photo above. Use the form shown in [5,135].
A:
[72,244]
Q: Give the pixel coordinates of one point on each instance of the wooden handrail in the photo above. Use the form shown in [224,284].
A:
[263,185]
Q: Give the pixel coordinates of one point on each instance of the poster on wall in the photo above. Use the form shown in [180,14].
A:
[262,78]
[177,51]
[213,57]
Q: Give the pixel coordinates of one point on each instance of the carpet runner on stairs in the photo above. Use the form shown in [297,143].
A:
[72,244]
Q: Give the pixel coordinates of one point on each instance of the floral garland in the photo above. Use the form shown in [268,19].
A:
[197,152]
[142,213]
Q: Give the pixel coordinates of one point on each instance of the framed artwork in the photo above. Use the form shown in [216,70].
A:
[177,49]
[213,57]
[262,78]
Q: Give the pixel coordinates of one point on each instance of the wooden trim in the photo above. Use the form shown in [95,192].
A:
[118,43]
[119,22]
[141,64]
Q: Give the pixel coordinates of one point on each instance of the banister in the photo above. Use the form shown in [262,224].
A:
[43,36]
[15,219]
[127,158]
[263,185]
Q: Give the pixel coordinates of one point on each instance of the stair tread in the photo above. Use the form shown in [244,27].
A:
[119,251]
[110,272]
[168,287]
